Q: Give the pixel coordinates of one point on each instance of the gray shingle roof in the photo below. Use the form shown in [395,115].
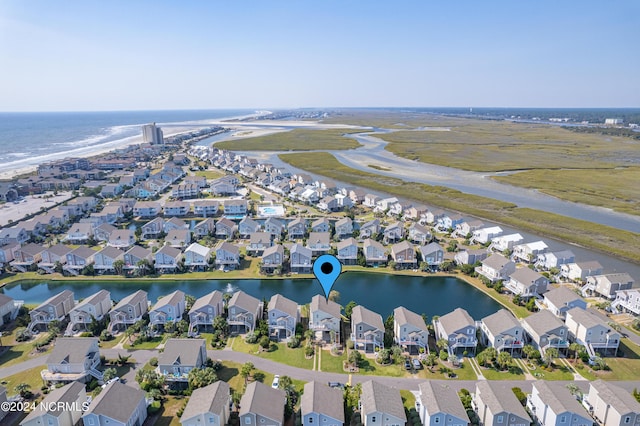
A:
[496,261]
[71,349]
[244,301]
[525,275]
[319,303]
[346,243]
[263,400]
[170,299]
[585,318]
[404,316]
[378,397]
[561,296]
[185,351]
[117,401]
[209,399]
[68,394]
[558,397]
[440,398]
[542,322]
[278,248]
[283,304]
[94,299]
[618,398]
[211,299]
[320,398]
[361,314]
[500,398]
[456,320]
[111,252]
[132,299]
[54,300]
[500,321]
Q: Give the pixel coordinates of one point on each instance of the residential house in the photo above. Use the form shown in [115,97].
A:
[545,330]
[135,256]
[324,319]
[607,285]
[319,242]
[590,330]
[197,256]
[248,226]
[227,256]
[496,268]
[434,215]
[485,235]
[283,316]
[6,253]
[72,394]
[272,259]
[432,255]
[550,260]
[367,329]
[415,212]
[174,224]
[529,252]
[274,227]
[262,405]
[381,404]
[318,405]
[153,228]
[439,404]
[8,309]
[205,208]
[111,190]
[204,228]
[527,283]
[103,231]
[344,228]
[371,200]
[551,404]
[458,329]
[502,331]
[15,234]
[117,405]
[258,242]
[370,229]
[73,358]
[404,255]
[167,259]
[374,253]
[393,233]
[243,312]
[449,222]
[179,357]
[628,301]
[419,234]
[204,310]
[122,239]
[94,307]
[128,311]
[357,195]
[466,228]
[226,229]
[300,259]
[497,405]
[146,209]
[208,405]
[185,190]
[347,251]
[167,308]
[579,271]
[297,229]
[176,208]
[321,225]
[235,207]
[410,331]
[470,257]
[221,187]
[78,259]
[612,405]
[329,204]
[79,233]
[55,308]
[505,242]
[178,238]
[385,204]
[50,256]
[561,299]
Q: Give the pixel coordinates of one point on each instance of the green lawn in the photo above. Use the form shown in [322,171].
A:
[31,377]
[515,373]
[560,372]
[151,344]
[622,368]
[210,174]
[167,414]
[111,343]
[408,399]
[332,364]
[281,353]
[18,352]
[295,140]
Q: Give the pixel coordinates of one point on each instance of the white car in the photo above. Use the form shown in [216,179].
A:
[276,381]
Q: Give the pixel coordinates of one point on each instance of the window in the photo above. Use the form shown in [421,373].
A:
[499,419]
[310,419]
[563,419]
[470,331]
[437,420]
[627,419]
[247,420]
[373,419]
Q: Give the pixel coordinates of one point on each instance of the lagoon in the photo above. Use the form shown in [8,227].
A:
[382,293]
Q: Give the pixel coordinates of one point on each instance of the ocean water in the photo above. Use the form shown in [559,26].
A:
[28,139]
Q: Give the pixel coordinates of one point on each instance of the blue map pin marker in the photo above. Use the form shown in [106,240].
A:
[327,269]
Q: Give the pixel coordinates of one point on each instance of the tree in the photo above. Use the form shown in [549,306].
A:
[442,344]
[123,359]
[118,266]
[388,332]
[265,342]
[189,301]
[431,360]
[504,360]
[24,390]
[149,379]
[334,296]
[491,353]
[246,370]
[447,265]
[221,326]
[575,348]
[527,350]
[109,374]
[54,327]
[286,384]
[349,308]
[355,358]
[550,354]
[201,377]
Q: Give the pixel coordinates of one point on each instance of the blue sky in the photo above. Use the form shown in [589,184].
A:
[123,55]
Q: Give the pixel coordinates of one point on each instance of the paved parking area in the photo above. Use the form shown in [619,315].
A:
[12,212]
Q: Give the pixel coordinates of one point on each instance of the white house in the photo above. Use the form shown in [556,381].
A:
[458,329]
[318,405]
[381,404]
[439,405]
[117,405]
[208,405]
[502,331]
[283,316]
[409,330]
[552,404]
[527,283]
[484,235]
[324,319]
[588,329]
[612,405]
[496,267]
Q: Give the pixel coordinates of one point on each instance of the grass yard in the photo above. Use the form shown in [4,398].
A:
[17,352]
[606,188]
[167,414]
[151,344]
[514,373]
[622,368]
[560,372]
[408,399]
[599,237]
[113,342]
[295,140]
[332,364]
[210,174]
[30,376]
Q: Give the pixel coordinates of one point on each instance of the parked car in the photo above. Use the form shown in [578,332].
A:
[336,385]
[276,381]
[407,364]
[416,364]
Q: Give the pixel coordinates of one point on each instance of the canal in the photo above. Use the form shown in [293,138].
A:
[434,295]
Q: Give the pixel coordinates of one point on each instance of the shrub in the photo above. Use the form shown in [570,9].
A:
[153,362]
[86,334]
[251,338]
[264,342]
[309,351]
[105,336]
[293,342]
[444,355]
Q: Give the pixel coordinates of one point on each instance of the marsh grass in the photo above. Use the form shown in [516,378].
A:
[295,140]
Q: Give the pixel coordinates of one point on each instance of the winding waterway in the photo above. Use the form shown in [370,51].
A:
[435,295]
